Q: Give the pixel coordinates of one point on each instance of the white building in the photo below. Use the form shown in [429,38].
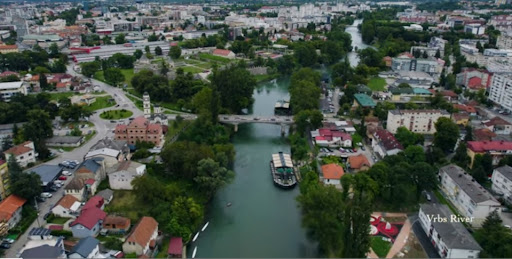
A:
[385,144]
[499,91]
[418,121]
[67,207]
[474,28]
[504,40]
[121,175]
[7,90]
[468,196]
[448,236]
[502,182]
[24,153]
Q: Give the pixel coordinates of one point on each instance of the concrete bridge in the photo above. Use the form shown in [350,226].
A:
[239,119]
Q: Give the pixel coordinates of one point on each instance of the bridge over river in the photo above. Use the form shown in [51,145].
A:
[240,119]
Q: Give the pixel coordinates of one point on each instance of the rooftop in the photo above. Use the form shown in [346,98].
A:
[142,233]
[9,206]
[404,112]
[506,171]
[48,173]
[356,162]
[332,171]
[85,246]
[467,184]
[388,140]
[495,145]
[364,100]
[453,234]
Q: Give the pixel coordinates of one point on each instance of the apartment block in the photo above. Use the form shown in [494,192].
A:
[418,121]
[466,194]
[500,91]
[407,62]
[497,149]
[502,182]
[448,236]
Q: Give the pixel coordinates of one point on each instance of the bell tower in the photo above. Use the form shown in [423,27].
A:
[146,105]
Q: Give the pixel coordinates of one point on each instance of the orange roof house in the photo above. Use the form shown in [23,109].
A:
[332,174]
[358,163]
[139,240]
[10,210]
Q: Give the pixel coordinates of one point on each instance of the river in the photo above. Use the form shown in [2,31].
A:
[263,220]
[357,41]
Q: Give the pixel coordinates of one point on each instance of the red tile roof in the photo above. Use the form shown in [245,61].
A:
[89,217]
[221,52]
[342,135]
[9,206]
[462,107]
[8,47]
[94,202]
[90,181]
[67,201]
[388,140]
[121,127]
[325,132]
[175,246]
[119,222]
[449,93]
[332,171]
[139,122]
[142,233]
[154,127]
[497,121]
[8,73]
[19,149]
[484,134]
[483,146]
[356,162]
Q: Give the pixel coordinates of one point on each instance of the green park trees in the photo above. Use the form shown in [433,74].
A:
[494,238]
[23,184]
[211,176]
[90,68]
[235,86]
[447,133]
[113,76]
[175,52]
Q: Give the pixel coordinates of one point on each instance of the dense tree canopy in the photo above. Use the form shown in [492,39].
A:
[447,134]
[235,86]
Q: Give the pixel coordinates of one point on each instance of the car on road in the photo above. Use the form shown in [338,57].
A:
[5,245]
[112,121]
[57,182]
[46,195]
[287,120]
[47,215]
[61,150]
[63,178]
[226,118]
[363,148]
[117,105]
[8,240]
[273,119]
[67,173]
[256,118]
[40,199]
[427,196]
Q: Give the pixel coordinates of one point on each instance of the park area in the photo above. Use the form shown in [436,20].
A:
[116,114]
[377,84]
[127,73]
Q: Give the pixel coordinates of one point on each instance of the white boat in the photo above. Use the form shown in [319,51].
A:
[195,237]
[205,226]
[194,253]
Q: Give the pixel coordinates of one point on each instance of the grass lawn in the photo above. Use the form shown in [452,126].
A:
[125,204]
[214,58]
[128,75]
[101,103]
[193,70]
[57,96]
[261,78]
[137,102]
[173,130]
[377,84]
[57,220]
[116,114]
[380,247]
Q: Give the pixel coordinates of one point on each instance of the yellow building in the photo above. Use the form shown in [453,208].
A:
[4,180]
[8,49]
[497,149]
[461,118]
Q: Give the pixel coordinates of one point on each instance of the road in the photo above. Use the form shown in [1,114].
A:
[423,238]
[103,129]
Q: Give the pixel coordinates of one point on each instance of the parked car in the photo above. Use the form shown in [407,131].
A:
[57,182]
[63,178]
[5,246]
[46,195]
[8,240]
[66,173]
[46,215]
[427,196]
[40,199]
[363,148]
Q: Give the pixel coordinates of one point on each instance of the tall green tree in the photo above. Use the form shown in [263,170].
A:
[113,76]
[211,176]
[494,238]
[447,133]
[38,129]
[175,52]
[235,86]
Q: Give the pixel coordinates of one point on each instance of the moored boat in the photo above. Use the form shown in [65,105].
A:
[281,169]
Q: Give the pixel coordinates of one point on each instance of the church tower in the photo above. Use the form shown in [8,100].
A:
[146,105]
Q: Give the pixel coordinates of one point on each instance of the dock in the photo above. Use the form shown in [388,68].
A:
[297,173]
[184,253]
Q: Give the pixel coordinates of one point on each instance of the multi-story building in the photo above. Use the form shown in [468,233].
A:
[504,40]
[466,194]
[87,54]
[496,148]
[501,22]
[406,62]
[10,210]
[8,49]
[24,153]
[448,236]
[474,28]
[502,182]
[8,89]
[4,180]
[140,129]
[418,121]
[385,144]
[500,90]
[474,78]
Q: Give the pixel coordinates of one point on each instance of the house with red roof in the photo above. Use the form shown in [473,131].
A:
[358,163]
[474,79]
[10,210]
[89,223]
[142,238]
[331,137]
[225,53]
[9,73]
[483,134]
[465,108]
[66,207]
[331,174]
[385,144]
[24,153]
[175,248]
[498,125]
[496,148]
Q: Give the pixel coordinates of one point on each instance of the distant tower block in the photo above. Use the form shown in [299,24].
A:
[146,105]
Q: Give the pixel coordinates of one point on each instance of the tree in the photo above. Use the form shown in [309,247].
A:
[74,113]
[407,138]
[152,37]
[7,143]
[54,50]
[438,54]
[447,134]
[138,54]
[38,129]
[158,51]
[175,52]
[76,132]
[494,238]
[24,185]
[469,133]
[414,154]
[211,176]
[186,215]
[120,39]
[370,57]
[461,157]
[305,54]
[305,119]
[147,50]
[235,86]
[43,82]
[113,76]
[90,68]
